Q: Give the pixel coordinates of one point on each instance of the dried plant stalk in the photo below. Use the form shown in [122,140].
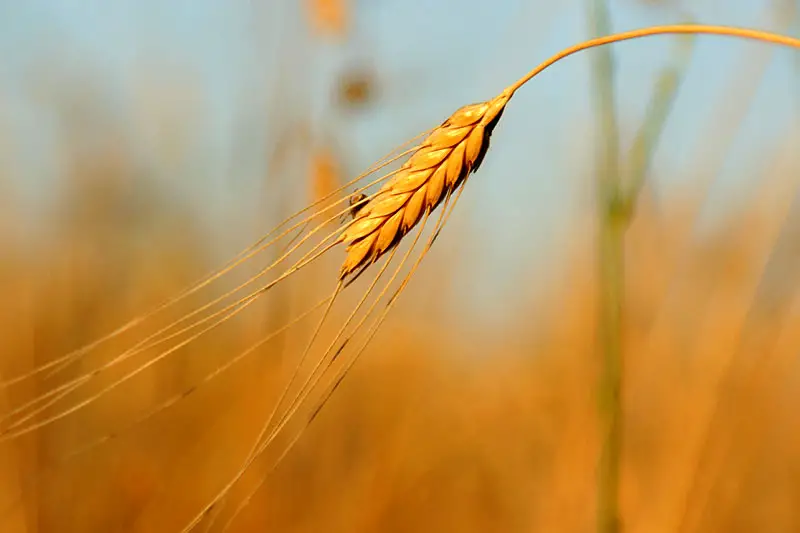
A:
[439,165]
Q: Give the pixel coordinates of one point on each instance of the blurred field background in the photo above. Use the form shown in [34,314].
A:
[143,143]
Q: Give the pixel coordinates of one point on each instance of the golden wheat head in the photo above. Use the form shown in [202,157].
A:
[437,167]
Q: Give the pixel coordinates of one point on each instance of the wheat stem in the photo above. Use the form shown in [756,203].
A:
[700,29]
[649,133]
[611,277]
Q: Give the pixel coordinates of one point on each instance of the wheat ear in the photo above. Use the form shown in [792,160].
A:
[456,148]
[437,167]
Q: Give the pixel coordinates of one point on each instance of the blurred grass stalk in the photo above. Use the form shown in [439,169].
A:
[611,275]
[615,208]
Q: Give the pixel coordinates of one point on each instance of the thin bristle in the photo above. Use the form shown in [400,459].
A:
[437,167]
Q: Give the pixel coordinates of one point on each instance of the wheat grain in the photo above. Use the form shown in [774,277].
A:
[440,165]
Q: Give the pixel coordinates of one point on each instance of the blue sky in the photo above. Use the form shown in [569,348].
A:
[216,62]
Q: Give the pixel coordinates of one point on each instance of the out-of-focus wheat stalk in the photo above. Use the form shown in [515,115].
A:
[611,224]
[329,17]
[616,198]
[648,135]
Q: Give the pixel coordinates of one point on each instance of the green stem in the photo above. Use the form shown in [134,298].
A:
[611,253]
[611,265]
[649,134]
